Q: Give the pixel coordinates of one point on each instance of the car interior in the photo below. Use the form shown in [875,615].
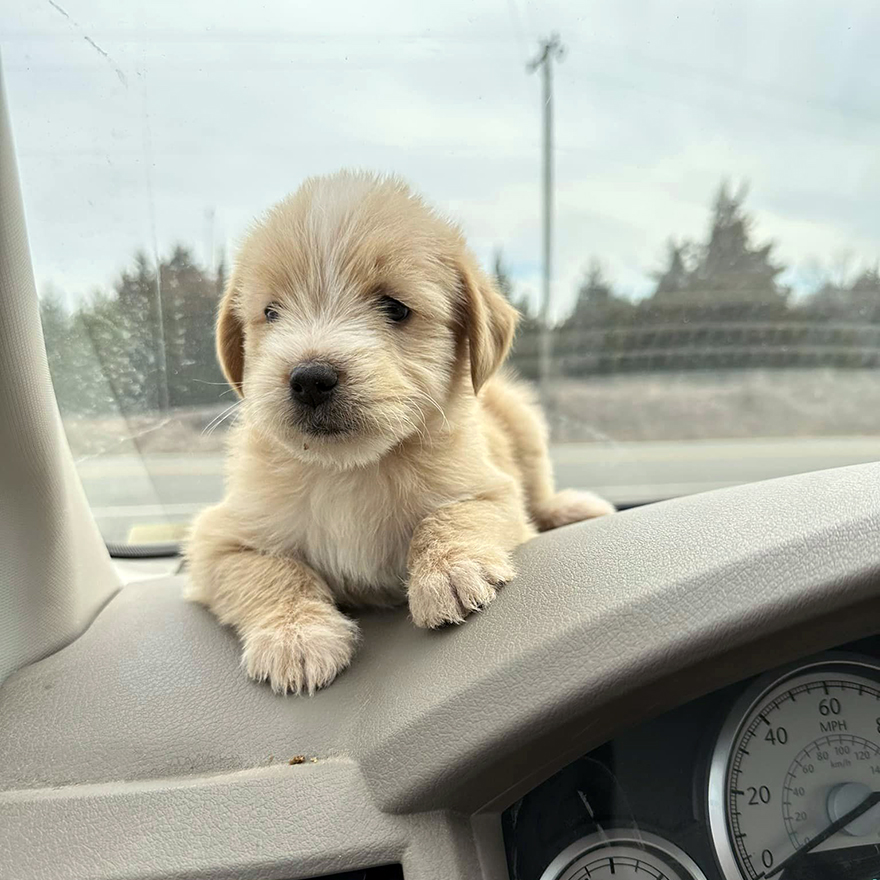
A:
[686,690]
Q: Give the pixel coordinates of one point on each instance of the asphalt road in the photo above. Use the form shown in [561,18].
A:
[152,498]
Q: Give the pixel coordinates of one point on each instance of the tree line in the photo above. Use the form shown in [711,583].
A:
[147,344]
[715,304]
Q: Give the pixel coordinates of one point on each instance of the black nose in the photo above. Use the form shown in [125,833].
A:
[312,384]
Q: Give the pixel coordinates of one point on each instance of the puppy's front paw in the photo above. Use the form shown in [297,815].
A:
[301,655]
[446,588]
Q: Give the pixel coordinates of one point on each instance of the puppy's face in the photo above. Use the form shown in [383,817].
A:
[350,318]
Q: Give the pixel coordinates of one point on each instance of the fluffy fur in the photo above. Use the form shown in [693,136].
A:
[420,474]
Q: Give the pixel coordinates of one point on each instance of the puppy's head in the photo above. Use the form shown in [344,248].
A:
[353,319]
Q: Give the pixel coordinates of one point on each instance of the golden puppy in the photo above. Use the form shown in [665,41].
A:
[379,456]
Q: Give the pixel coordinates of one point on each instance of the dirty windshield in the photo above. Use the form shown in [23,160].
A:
[711,313]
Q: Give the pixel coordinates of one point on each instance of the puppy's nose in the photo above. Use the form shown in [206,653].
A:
[312,384]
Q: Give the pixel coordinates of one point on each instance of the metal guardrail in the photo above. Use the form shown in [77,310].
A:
[705,345]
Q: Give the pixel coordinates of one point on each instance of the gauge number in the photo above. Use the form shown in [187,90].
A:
[804,755]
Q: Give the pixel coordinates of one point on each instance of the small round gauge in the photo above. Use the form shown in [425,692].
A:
[794,784]
[622,854]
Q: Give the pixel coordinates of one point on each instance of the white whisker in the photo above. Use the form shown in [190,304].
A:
[436,406]
[218,420]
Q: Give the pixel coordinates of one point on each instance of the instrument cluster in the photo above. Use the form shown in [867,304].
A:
[778,777]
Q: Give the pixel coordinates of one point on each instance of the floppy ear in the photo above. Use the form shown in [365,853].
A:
[230,337]
[489,322]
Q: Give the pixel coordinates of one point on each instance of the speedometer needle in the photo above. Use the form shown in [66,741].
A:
[858,810]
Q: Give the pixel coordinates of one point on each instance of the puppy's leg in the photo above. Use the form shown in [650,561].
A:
[460,555]
[293,635]
[569,506]
[548,508]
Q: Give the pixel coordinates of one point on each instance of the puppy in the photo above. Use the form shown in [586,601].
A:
[379,456]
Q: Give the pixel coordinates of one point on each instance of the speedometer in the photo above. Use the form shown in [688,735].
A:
[794,784]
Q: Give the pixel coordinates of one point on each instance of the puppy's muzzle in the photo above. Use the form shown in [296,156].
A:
[313,383]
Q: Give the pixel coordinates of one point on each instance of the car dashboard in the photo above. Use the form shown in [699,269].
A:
[569,733]
[742,784]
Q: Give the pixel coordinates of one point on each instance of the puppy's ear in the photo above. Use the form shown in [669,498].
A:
[230,337]
[489,321]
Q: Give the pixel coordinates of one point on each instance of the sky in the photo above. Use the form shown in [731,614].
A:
[136,123]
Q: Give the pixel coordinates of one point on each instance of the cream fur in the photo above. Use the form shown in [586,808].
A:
[438,468]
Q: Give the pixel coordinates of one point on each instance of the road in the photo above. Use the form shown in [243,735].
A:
[151,498]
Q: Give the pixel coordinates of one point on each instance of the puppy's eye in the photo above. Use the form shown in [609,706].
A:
[271,312]
[394,310]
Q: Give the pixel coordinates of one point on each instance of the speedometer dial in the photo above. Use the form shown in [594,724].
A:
[794,786]
[623,854]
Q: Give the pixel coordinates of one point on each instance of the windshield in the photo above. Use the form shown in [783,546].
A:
[713,313]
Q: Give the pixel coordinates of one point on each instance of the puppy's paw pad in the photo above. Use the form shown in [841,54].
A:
[301,656]
[449,591]
[571,506]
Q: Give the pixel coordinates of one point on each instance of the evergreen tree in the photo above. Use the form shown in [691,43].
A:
[865,295]
[189,300]
[597,304]
[730,266]
[728,269]
[502,276]
[595,291]
[140,327]
[676,277]
[76,374]
[858,300]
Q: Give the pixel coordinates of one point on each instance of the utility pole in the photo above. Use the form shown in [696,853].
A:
[210,259]
[159,333]
[161,350]
[551,50]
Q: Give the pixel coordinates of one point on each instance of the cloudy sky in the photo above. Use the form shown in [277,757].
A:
[133,120]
